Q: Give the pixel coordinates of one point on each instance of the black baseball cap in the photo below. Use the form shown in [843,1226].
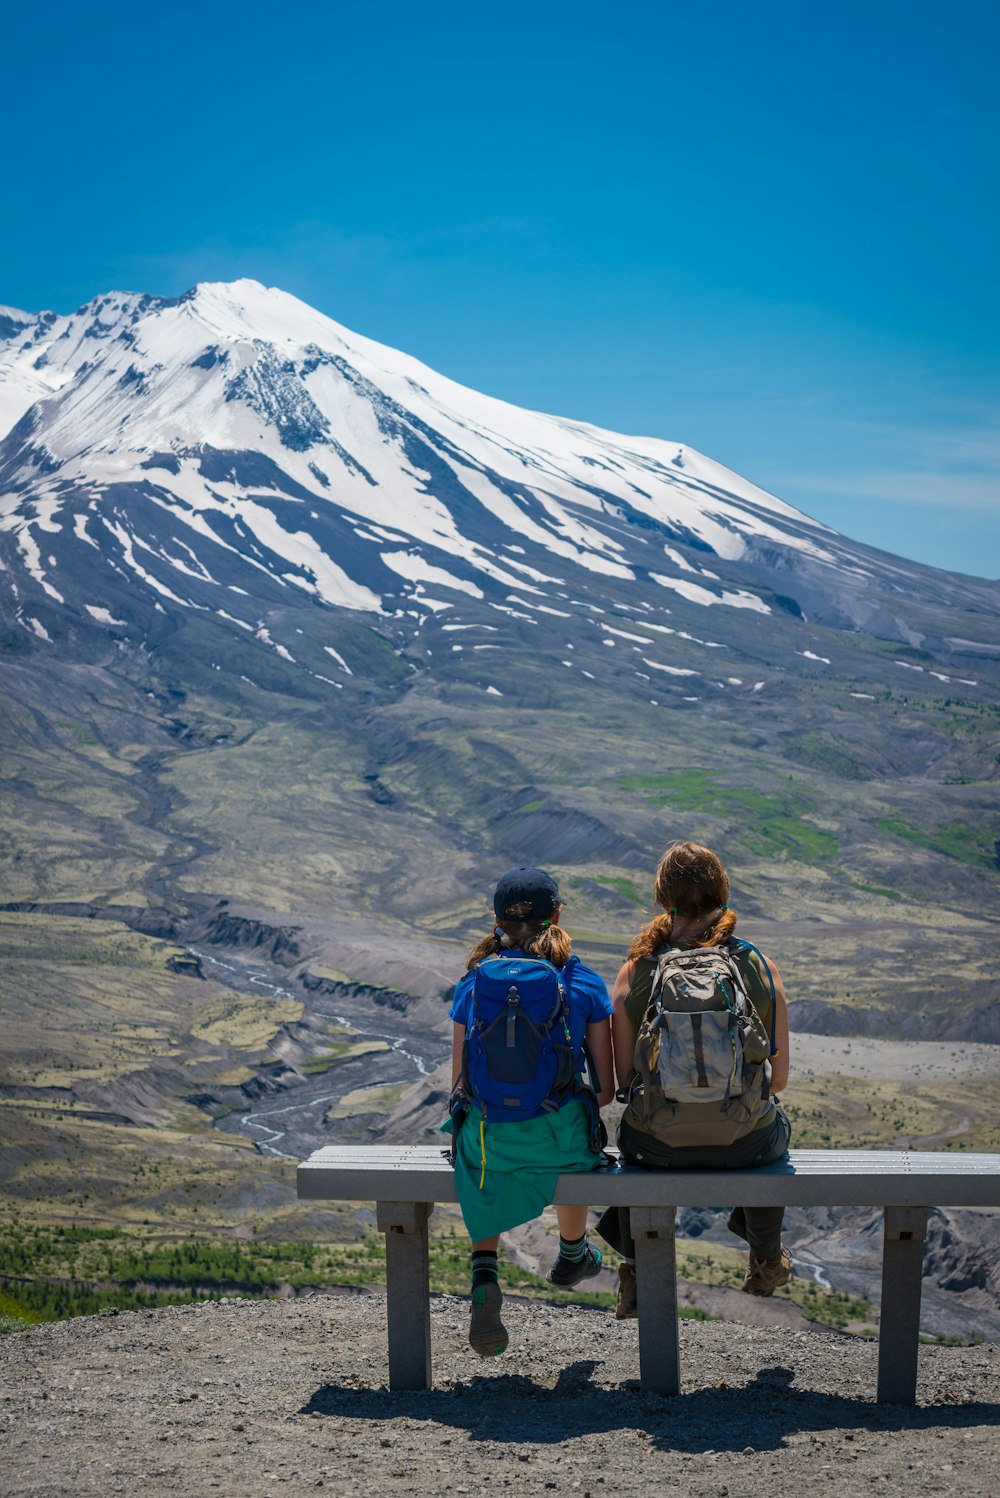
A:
[526,886]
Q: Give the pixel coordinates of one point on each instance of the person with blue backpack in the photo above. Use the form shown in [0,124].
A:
[528,1018]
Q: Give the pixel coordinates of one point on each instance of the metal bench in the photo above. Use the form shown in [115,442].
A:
[405,1182]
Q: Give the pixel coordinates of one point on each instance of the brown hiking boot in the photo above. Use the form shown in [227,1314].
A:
[626,1306]
[763,1276]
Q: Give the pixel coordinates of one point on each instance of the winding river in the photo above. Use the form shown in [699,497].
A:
[294,1121]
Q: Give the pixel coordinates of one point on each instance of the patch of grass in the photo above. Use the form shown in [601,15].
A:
[822,753]
[716,1264]
[976,846]
[322,1062]
[365,1100]
[769,825]
[627,888]
[877,889]
[246,1022]
[688,790]
[797,838]
[850,1112]
[583,936]
[14,1317]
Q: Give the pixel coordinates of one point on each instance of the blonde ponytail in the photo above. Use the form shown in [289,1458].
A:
[488,946]
[553,944]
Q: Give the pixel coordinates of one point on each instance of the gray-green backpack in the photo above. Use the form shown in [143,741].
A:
[702,1053]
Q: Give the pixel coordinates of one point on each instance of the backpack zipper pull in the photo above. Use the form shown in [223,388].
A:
[512,1003]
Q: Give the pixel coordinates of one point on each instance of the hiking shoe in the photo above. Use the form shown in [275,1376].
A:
[565,1273]
[626,1306]
[487,1333]
[763,1276]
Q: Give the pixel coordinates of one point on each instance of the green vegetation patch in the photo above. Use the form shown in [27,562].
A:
[769,825]
[627,888]
[247,1022]
[972,845]
[52,1273]
[823,753]
[715,1264]
[878,889]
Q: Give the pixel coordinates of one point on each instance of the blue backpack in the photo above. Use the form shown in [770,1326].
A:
[518,1060]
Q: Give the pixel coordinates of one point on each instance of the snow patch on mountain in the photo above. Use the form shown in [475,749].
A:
[408,564]
[695,593]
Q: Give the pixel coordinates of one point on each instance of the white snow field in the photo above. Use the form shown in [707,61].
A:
[133,387]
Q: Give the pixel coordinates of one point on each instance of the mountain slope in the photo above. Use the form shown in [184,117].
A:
[278,600]
[232,449]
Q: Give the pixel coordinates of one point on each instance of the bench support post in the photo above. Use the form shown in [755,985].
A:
[899,1321]
[656,1289]
[407,1292]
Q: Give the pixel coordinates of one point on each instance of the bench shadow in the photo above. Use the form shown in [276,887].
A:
[760,1415]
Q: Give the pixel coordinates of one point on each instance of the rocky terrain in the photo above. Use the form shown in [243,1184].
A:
[290,1397]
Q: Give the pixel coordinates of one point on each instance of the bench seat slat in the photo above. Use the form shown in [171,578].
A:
[808,1178]
[829,1161]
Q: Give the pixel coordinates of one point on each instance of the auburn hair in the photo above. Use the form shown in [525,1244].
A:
[690,881]
[545,939]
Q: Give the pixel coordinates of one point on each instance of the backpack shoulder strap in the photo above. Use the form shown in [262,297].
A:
[748,946]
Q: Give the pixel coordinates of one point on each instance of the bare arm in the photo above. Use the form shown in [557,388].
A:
[622,1028]
[779,1062]
[599,1045]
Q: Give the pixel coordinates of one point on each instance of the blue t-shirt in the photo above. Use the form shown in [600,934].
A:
[586,992]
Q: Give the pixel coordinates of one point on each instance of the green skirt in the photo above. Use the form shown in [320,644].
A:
[506,1173]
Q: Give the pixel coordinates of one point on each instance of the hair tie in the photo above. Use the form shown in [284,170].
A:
[723,909]
[672,910]
[545,924]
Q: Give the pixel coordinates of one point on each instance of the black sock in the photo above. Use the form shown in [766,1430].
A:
[485,1268]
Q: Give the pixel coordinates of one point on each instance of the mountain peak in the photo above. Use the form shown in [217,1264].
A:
[233,452]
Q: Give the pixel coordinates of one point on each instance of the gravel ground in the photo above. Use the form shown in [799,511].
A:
[282,1397]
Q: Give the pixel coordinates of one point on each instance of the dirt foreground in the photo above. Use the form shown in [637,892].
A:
[255,1398]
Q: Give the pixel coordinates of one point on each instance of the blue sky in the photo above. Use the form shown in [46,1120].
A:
[770,230]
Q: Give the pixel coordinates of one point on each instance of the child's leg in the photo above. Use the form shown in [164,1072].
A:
[487,1333]
[577,1259]
[572,1222]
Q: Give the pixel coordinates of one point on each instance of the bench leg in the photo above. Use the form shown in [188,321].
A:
[407,1292]
[899,1322]
[656,1290]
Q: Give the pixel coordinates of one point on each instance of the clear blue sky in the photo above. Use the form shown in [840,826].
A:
[769,230]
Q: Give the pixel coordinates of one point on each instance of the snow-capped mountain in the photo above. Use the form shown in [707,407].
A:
[237,455]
